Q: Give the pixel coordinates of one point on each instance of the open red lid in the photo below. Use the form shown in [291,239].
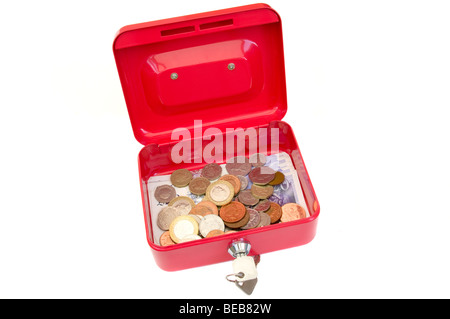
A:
[225,68]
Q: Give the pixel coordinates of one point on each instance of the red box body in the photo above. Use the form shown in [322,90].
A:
[198,49]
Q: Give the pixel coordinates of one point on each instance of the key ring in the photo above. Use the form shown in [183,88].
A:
[239,275]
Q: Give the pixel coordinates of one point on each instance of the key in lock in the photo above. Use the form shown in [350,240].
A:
[244,267]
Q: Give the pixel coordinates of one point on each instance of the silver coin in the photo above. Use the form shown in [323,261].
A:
[258,159]
[255,219]
[238,165]
[265,220]
[183,206]
[246,197]
[166,216]
[165,193]
[211,222]
[189,238]
[244,181]
[228,229]
[198,218]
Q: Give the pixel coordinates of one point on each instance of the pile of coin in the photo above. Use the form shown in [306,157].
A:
[228,205]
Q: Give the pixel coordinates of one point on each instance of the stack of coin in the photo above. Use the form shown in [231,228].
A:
[217,213]
[234,215]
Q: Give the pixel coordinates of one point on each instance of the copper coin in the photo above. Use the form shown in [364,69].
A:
[258,160]
[166,216]
[211,205]
[262,206]
[201,210]
[265,219]
[262,192]
[244,181]
[240,223]
[315,205]
[274,212]
[198,185]
[165,193]
[254,219]
[209,223]
[278,179]
[215,232]
[165,239]
[238,165]
[233,180]
[212,171]
[246,197]
[262,175]
[232,212]
[181,177]
[204,208]
[292,211]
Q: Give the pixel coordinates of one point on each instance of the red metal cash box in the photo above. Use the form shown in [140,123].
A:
[175,71]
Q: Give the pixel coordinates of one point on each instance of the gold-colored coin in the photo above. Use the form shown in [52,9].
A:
[183,226]
[181,177]
[233,181]
[262,192]
[198,185]
[278,179]
[183,204]
[220,192]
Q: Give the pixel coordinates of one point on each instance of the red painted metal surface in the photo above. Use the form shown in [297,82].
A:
[252,94]
[198,49]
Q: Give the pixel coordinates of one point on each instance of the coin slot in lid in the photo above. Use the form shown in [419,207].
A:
[216,24]
[168,32]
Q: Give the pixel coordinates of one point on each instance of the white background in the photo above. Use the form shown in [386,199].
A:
[368,93]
